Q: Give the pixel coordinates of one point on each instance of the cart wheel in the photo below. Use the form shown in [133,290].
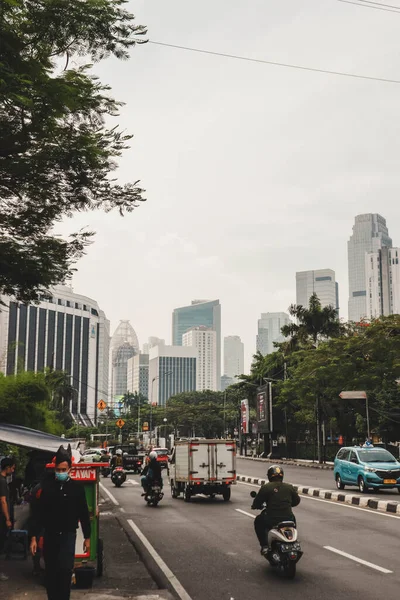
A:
[100,557]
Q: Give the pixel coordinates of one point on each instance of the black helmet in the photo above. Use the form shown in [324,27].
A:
[275,473]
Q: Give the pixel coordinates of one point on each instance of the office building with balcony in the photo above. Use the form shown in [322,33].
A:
[204,340]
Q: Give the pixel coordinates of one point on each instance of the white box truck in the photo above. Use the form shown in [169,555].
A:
[199,466]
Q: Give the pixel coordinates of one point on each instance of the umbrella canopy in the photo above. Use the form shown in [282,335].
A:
[35,440]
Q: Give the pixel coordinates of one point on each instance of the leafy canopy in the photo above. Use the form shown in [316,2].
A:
[57,153]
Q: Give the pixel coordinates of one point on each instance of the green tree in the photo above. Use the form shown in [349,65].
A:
[56,151]
[62,395]
[315,323]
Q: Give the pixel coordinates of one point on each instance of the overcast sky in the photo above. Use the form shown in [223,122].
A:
[252,172]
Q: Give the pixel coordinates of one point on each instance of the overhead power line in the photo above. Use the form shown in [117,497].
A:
[380,4]
[360,3]
[277,64]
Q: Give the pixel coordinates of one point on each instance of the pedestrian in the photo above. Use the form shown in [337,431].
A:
[7,468]
[60,508]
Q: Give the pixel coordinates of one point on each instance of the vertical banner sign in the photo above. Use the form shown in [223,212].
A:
[262,406]
[244,407]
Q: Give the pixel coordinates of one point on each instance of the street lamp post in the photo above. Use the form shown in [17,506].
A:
[165,433]
[151,403]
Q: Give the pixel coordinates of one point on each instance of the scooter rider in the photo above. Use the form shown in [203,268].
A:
[151,472]
[117,460]
[277,499]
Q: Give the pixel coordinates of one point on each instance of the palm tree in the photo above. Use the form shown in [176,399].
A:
[313,324]
[62,394]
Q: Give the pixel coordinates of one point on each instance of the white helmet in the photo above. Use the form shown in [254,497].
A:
[153,454]
[119,452]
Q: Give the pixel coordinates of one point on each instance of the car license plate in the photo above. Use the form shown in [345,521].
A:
[389,481]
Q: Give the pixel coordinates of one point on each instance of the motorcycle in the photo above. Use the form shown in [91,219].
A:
[154,494]
[118,476]
[284,548]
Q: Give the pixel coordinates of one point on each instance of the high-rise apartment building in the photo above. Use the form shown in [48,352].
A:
[67,332]
[205,313]
[152,341]
[233,356]
[269,331]
[172,370]
[124,345]
[370,234]
[138,374]
[321,282]
[382,270]
[204,340]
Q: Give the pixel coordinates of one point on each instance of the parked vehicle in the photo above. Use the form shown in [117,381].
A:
[154,494]
[366,468]
[118,476]
[285,549]
[200,466]
[92,455]
[162,457]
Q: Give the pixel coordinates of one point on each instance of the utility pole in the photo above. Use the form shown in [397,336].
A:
[318,419]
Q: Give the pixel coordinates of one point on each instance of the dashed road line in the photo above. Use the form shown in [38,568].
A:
[109,494]
[358,560]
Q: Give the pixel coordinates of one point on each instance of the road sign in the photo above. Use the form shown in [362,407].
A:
[101,405]
[350,395]
[120,423]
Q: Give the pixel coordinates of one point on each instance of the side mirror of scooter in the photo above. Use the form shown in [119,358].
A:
[253,494]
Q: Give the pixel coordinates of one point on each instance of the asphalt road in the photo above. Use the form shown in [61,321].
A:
[211,547]
[307,476]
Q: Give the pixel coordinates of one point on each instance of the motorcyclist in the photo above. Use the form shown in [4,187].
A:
[117,460]
[151,472]
[277,499]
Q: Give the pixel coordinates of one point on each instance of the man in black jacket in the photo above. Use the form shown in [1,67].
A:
[61,507]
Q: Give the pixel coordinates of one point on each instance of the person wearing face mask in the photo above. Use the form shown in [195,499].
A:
[61,507]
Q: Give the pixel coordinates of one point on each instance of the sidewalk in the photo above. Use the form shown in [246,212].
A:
[125,575]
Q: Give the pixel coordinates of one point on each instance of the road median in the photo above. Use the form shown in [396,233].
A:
[333,496]
[288,461]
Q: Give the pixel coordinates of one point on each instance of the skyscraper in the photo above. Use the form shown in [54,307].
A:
[370,234]
[172,370]
[321,282]
[68,332]
[138,374]
[233,356]
[124,345]
[199,312]
[204,340]
[151,342]
[382,271]
[269,331]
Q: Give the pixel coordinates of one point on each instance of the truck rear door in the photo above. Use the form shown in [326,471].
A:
[225,461]
[199,462]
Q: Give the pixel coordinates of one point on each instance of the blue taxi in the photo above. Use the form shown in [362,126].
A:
[366,468]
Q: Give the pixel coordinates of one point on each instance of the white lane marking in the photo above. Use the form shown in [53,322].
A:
[341,504]
[122,510]
[245,513]
[175,583]
[358,560]
[133,482]
[109,494]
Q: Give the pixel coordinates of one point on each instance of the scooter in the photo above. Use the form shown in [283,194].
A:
[118,476]
[284,548]
[154,494]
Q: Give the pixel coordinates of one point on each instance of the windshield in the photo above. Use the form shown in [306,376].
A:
[375,456]
[162,451]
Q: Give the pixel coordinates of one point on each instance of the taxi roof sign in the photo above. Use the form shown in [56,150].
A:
[101,405]
[120,423]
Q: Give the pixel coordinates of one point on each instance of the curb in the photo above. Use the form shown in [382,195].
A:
[292,463]
[361,501]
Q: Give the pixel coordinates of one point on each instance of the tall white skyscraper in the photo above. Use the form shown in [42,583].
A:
[204,340]
[321,282]
[233,356]
[269,331]
[382,271]
[205,313]
[138,374]
[370,234]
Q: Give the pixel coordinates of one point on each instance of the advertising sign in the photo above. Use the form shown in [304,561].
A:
[262,406]
[244,411]
[264,409]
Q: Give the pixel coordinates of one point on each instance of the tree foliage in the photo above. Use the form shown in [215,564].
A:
[56,151]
